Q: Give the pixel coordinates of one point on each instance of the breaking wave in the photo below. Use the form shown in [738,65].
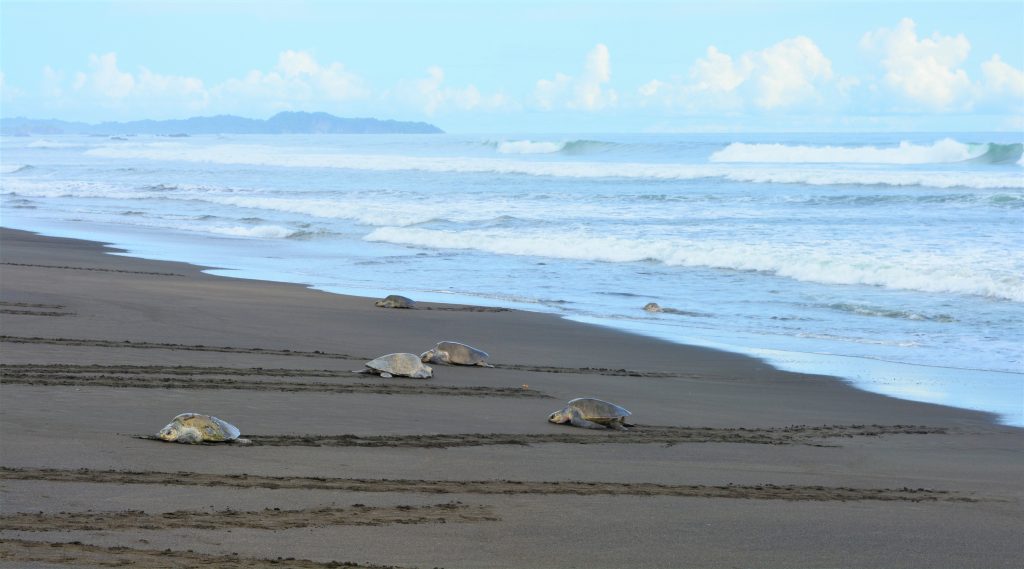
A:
[864,310]
[571,147]
[837,265]
[43,143]
[261,231]
[16,168]
[529,147]
[269,156]
[944,151]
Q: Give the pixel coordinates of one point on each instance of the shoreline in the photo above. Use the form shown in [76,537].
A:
[864,373]
[733,462]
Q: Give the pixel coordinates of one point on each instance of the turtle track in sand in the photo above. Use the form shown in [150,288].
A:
[269,519]
[175,370]
[193,377]
[96,269]
[34,309]
[78,553]
[465,308]
[505,487]
[641,434]
[618,372]
[170,346]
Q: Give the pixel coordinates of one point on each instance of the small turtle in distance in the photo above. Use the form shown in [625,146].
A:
[406,365]
[395,301]
[455,353]
[654,307]
[591,413]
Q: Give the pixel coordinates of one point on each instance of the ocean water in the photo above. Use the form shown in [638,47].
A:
[893,261]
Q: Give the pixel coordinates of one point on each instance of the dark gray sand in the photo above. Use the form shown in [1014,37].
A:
[732,464]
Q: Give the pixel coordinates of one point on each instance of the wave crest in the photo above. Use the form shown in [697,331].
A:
[529,147]
[837,265]
[571,147]
[944,151]
[269,156]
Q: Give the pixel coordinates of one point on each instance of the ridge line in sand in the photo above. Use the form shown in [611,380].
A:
[617,372]
[639,434]
[97,269]
[391,387]
[76,552]
[505,487]
[269,518]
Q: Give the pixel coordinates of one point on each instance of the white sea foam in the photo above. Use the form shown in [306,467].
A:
[529,147]
[270,156]
[68,188]
[43,143]
[258,231]
[943,151]
[365,210]
[834,263]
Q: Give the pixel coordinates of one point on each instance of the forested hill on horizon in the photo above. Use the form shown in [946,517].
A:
[282,123]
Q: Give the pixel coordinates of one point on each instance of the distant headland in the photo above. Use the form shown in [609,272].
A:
[281,123]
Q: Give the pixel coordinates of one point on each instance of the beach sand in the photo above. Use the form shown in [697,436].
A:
[732,464]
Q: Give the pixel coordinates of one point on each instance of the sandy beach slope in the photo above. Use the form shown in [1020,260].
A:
[732,464]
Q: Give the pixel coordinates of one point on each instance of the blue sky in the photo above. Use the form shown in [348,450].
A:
[525,66]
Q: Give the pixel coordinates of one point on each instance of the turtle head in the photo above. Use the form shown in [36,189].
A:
[181,434]
[435,356]
[560,416]
[170,433]
[178,432]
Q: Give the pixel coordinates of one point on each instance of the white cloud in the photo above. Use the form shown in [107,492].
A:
[587,92]
[549,93]
[782,75]
[651,88]
[105,79]
[431,94]
[52,83]
[786,72]
[106,84]
[718,73]
[924,70]
[296,79]
[7,91]
[1002,78]
[590,94]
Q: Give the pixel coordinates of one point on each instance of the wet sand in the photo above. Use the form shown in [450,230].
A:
[732,463]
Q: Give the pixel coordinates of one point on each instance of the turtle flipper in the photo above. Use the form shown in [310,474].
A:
[577,420]
[618,425]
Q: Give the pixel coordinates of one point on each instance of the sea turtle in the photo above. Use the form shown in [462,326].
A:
[408,365]
[592,414]
[655,307]
[194,428]
[395,301]
[455,353]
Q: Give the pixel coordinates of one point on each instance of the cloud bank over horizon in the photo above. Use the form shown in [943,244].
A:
[906,74]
